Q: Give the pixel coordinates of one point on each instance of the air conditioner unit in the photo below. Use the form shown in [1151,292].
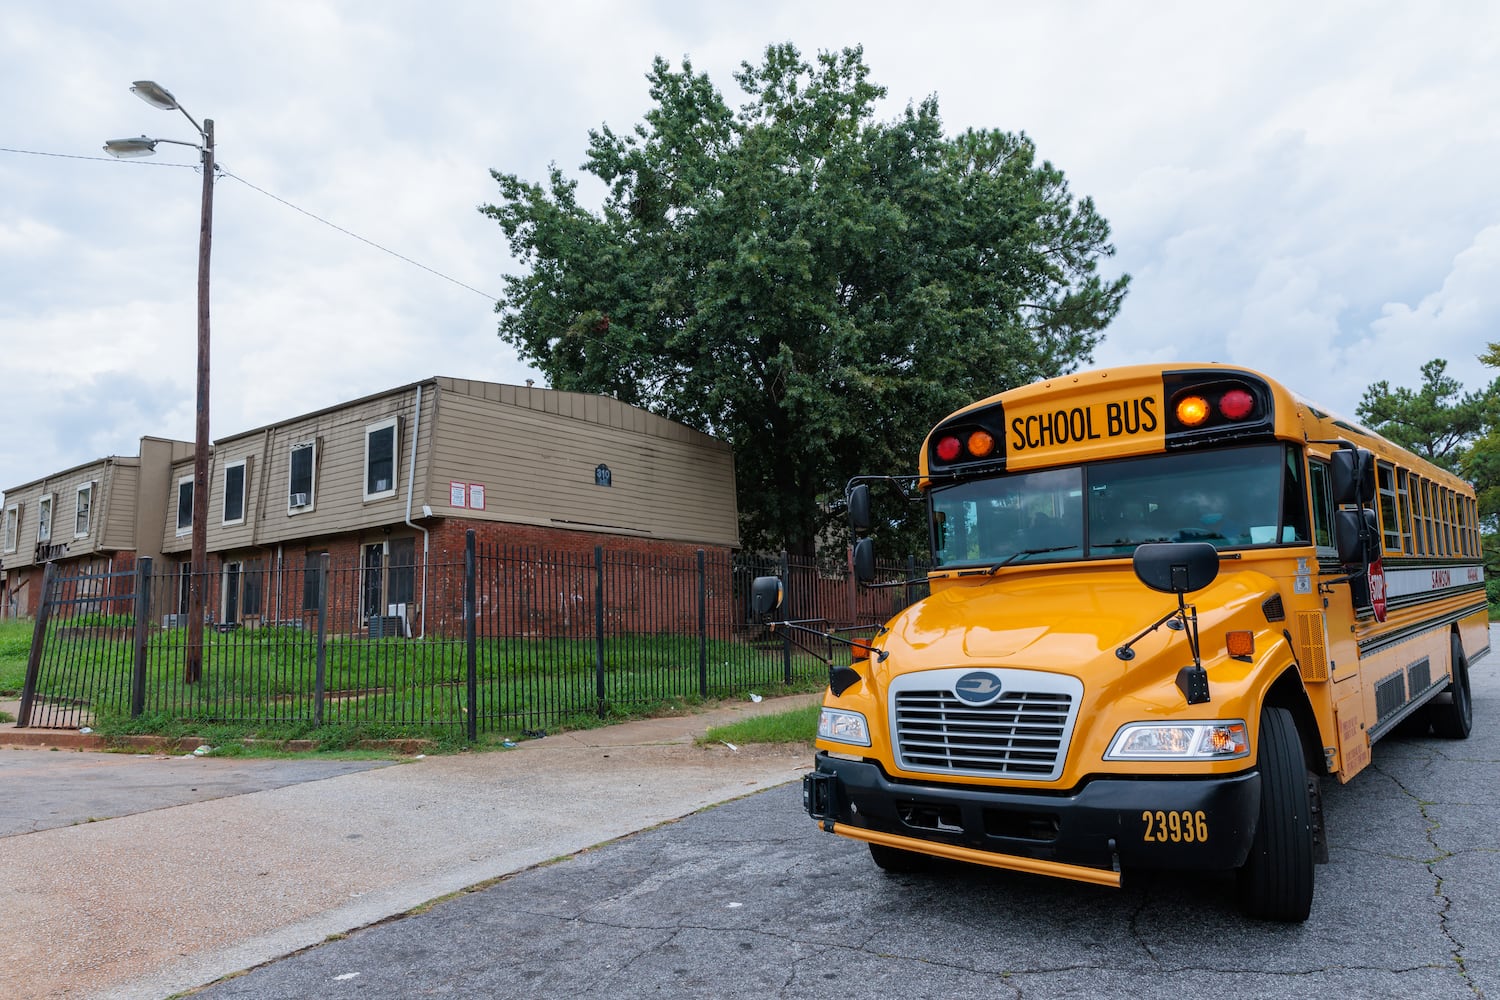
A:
[299,500]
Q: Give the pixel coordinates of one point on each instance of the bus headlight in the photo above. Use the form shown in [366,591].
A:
[843,726]
[1181,741]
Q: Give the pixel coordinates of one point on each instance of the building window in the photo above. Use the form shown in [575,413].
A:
[83,505]
[44,519]
[254,587]
[301,479]
[311,578]
[184,505]
[402,571]
[12,527]
[380,460]
[234,492]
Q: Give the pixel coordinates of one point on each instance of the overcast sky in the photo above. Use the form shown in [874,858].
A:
[1310,189]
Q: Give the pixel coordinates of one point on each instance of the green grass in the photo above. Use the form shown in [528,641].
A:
[15,644]
[798,725]
[381,690]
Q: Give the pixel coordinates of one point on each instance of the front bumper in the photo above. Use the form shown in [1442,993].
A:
[1088,834]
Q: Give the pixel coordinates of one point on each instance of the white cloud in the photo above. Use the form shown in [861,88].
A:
[1309,190]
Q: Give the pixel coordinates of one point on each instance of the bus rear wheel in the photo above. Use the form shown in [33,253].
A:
[1452,714]
[1276,880]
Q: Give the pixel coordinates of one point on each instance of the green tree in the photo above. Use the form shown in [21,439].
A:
[1438,421]
[1457,430]
[810,284]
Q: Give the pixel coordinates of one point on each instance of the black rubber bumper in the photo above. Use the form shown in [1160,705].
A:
[1186,823]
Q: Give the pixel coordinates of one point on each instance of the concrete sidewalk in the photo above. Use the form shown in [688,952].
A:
[156,902]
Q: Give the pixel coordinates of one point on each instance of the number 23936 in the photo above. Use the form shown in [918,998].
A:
[1175,826]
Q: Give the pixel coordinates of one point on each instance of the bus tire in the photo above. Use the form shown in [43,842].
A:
[1276,880]
[1452,713]
[896,861]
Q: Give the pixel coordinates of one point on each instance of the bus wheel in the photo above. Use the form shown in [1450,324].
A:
[1276,880]
[897,861]
[1452,713]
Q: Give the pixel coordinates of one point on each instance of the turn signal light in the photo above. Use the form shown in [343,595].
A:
[1239,643]
[1192,410]
[859,649]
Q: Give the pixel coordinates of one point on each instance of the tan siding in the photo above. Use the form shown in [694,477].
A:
[538,467]
[171,542]
[25,498]
[338,493]
[116,505]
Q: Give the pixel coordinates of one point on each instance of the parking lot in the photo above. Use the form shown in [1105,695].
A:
[749,899]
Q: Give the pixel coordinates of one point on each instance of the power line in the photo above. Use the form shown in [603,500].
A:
[225,173]
[356,236]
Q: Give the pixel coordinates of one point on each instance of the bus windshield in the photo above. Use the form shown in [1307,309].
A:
[1232,498]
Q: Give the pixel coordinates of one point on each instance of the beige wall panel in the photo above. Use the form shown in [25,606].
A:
[116,506]
[339,474]
[538,468]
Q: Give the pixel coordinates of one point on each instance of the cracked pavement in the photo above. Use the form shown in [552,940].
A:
[749,899]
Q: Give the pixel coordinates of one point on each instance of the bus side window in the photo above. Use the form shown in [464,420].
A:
[1390,524]
[1294,500]
[1322,506]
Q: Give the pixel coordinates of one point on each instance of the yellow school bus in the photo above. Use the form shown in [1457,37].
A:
[1166,602]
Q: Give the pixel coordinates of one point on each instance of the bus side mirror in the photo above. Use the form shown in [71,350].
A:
[1352,471]
[1176,567]
[864,560]
[859,509]
[765,596]
[1355,535]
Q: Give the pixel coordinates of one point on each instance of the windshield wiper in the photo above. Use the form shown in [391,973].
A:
[997,567]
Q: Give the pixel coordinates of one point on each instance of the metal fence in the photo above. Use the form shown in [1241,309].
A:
[510,639]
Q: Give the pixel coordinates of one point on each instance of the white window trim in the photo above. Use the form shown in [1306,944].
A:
[394,423]
[44,502]
[244,492]
[312,486]
[188,528]
[12,527]
[83,488]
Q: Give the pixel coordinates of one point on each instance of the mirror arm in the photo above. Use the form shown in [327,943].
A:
[1326,586]
[879,654]
[1124,651]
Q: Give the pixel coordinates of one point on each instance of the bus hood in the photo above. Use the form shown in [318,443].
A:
[1062,621]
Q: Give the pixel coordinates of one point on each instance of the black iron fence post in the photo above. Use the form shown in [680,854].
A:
[38,640]
[702,627]
[320,677]
[911,576]
[142,632]
[786,604]
[471,625]
[599,627]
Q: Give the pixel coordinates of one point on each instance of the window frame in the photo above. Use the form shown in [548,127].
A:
[310,445]
[82,509]
[243,464]
[393,424]
[185,527]
[12,540]
[44,513]
[1388,500]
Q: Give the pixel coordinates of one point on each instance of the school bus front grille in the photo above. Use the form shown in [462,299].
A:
[1023,735]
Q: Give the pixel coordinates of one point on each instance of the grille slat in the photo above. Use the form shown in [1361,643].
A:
[1023,734]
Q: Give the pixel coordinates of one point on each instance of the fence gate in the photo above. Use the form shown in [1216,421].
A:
[73,670]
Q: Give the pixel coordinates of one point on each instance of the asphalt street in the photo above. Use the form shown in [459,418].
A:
[749,899]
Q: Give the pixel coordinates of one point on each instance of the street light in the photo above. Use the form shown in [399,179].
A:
[159,97]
